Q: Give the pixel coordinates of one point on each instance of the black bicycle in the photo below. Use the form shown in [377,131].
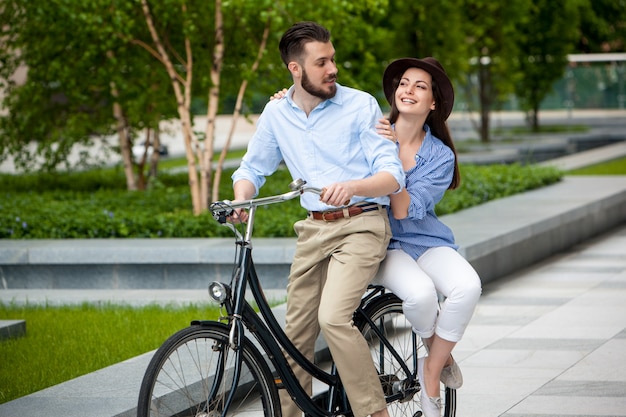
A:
[213,368]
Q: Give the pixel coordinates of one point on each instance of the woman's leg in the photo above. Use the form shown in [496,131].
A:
[455,278]
[400,274]
[438,357]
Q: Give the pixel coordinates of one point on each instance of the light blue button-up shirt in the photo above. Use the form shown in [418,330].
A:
[336,142]
[426,184]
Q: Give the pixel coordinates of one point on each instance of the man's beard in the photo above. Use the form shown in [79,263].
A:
[318,92]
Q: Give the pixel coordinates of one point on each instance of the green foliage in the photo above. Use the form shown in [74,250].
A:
[78,65]
[65,342]
[94,205]
[112,57]
[547,37]
[602,27]
[491,29]
[416,31]
[480,184]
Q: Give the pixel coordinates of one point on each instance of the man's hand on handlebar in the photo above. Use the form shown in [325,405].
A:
[239,215]
[337,194]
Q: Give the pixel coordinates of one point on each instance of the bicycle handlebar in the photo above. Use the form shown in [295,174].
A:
[223,209]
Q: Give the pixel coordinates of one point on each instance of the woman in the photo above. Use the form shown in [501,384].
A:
[422,260]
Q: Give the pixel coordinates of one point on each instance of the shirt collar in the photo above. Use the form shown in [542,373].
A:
[427,144]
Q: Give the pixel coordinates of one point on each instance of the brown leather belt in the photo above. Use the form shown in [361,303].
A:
[344,213]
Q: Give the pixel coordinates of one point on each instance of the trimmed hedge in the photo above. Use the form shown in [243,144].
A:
[95,204]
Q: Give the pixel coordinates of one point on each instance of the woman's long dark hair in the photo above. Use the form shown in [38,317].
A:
[437,123]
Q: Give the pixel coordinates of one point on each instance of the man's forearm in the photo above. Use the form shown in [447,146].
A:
[243,190]
[379,184]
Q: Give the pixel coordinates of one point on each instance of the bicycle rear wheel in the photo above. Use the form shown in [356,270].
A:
[191,374]
[403,400]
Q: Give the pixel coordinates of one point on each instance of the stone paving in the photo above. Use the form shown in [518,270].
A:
[551,340]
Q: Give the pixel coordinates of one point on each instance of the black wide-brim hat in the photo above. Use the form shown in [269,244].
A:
[394,71]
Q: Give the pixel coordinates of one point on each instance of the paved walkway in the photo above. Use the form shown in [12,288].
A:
[551,339]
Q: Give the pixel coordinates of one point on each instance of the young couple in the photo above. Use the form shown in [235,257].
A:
[330,135]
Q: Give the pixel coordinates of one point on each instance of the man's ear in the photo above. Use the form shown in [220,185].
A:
[294,68]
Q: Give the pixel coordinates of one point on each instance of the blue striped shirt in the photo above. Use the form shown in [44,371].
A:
[336,142]
[426,183]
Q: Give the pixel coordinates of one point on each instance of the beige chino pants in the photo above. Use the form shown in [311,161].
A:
[332,266]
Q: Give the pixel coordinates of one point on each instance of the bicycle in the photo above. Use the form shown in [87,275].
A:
[213,368]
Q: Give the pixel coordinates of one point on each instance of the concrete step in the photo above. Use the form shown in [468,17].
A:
[10,329]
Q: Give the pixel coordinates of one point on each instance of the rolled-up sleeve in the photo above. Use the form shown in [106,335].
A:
[382,154]
[262,157]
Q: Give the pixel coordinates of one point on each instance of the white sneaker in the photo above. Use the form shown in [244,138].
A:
[451,376]
[431,406]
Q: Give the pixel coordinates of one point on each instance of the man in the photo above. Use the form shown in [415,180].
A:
[325,133]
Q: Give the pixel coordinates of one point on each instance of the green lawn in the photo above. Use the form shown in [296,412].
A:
[614,167]
[64,342]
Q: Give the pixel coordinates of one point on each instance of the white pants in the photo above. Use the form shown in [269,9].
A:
[417,283]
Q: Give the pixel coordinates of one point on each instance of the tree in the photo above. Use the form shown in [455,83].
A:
[77,86]
[54,107]
[416,31]
[603,26]
[544,41]
[490,29]
[475,40]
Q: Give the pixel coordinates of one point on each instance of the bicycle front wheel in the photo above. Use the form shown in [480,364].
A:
[400,386]
[191,374]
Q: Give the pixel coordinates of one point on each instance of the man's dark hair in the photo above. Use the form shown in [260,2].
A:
[292,43]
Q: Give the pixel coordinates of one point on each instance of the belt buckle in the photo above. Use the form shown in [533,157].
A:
[324,213]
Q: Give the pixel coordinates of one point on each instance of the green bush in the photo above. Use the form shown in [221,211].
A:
[481,183]
[95,204]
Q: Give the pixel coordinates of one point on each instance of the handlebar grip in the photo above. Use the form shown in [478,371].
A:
[345,203]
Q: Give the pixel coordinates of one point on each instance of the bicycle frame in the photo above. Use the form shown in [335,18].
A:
[265,328]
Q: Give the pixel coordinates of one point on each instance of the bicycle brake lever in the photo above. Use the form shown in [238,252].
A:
[221,210]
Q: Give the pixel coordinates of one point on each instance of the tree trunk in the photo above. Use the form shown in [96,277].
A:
[183,99]
[535,119]
[125,145]
[190,144]
[156,156]
[485,95]
[141,164]
[484,124]
[122,134]
[237,113]
[214,93]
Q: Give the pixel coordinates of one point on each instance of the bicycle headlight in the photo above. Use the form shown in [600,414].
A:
[218,291]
